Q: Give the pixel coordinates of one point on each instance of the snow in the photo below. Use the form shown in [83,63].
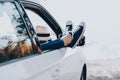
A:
[105,69]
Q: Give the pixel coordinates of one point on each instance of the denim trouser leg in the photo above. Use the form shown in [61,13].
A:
[51,45]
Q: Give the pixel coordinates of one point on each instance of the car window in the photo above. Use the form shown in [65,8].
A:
[43,30]
[14,39]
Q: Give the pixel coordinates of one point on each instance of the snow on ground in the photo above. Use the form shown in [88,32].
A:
[108,69]
[103,60]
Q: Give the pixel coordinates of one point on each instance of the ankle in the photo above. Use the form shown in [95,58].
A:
[67,39]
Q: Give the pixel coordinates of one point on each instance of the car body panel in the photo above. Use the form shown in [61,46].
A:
[46,66]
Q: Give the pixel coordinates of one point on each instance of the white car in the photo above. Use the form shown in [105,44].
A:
[20,58]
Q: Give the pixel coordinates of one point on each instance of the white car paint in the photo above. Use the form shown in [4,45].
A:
[62,64]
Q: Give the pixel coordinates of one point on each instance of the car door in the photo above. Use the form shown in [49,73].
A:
[19,55]
[60,66]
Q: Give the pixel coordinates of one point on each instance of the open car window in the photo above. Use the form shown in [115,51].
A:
[42,29]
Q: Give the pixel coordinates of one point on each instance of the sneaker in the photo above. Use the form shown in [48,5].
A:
[69,26]
[68,29]
[77,35]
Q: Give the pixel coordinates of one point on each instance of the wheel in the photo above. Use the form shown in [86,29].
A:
[84,73]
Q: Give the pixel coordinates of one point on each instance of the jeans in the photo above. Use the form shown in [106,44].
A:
[51,45]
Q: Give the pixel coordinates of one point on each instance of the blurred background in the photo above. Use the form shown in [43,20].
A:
[102,18]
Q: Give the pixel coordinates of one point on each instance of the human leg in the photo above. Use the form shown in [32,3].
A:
[56,44]
[71,39]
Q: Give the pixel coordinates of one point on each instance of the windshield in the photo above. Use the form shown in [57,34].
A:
[13,34]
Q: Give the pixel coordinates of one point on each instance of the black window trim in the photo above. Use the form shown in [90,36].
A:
[28,27]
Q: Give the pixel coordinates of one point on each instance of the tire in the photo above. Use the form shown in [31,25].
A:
[84,74]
